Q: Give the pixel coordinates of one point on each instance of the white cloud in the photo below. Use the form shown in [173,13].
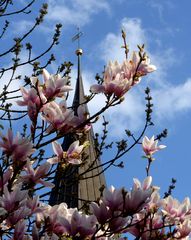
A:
[165,95]
[172,100]
[160,7]
[128,115]
[111,45]
[22,25]
[110,49]
[73,12]
[25,25]
[76,12]
[163,60]
[25,70]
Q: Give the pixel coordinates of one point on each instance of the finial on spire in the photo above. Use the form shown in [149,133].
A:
[79,51]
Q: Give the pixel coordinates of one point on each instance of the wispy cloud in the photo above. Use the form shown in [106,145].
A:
[173,100]
[165,94]
[160,7]
[16,83]
[76,12]
[111,45]
[22,25]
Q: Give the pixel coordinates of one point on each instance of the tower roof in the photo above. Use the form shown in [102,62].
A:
[70,188]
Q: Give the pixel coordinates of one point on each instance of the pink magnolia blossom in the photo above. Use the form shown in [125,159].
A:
[136,199]
[63,220]
[12,200]
[18,148]
[141,227]
[119,78]
[19,214]
[82,116]
[55,217]
[20,229]
[175,210]
[165,212]
[155,201]
[170,209]
[6,176]
[60,118]
[82,224]
[150,145]
[183,230]
[101,211]
[118,223]
[53,86]
[72,155]
[31,95]
[34,176]
[113,198]
[33,204]
[141,68]
[118,202]
[33,100]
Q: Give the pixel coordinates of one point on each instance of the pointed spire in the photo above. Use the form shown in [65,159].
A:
[87,188]
[79,90]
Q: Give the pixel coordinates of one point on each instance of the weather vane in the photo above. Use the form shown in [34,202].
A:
[77,36]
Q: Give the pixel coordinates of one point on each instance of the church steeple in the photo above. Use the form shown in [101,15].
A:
[79,90]
[68,187]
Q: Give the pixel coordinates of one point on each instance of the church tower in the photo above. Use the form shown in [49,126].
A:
[77,185]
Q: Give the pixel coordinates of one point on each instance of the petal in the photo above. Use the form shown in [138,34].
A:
[42,170]
[147,183]
[75,161]
[46,184]
[161,146]
[20,103]
[135,58]
[97,88]
[46,75]
[79,149]
[53,160]
[57,148]
[151,68]
[81,112]
[73,147]
[146,141]
[10,136]
[153,139]
[24,92]
[137,183]
[34,80]
[66,88]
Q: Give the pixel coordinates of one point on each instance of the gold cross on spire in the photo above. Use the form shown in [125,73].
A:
[77,37]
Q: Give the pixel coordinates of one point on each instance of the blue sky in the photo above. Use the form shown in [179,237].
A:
[164,27]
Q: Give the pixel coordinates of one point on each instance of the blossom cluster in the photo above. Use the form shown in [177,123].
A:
[41,98]
[139,211]
[119,78]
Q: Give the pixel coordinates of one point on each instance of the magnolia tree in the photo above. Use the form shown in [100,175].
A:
[27,171]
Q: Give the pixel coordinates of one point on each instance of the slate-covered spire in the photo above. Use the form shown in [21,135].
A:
[67,188]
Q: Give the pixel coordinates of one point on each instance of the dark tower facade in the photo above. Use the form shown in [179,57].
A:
[77,185]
